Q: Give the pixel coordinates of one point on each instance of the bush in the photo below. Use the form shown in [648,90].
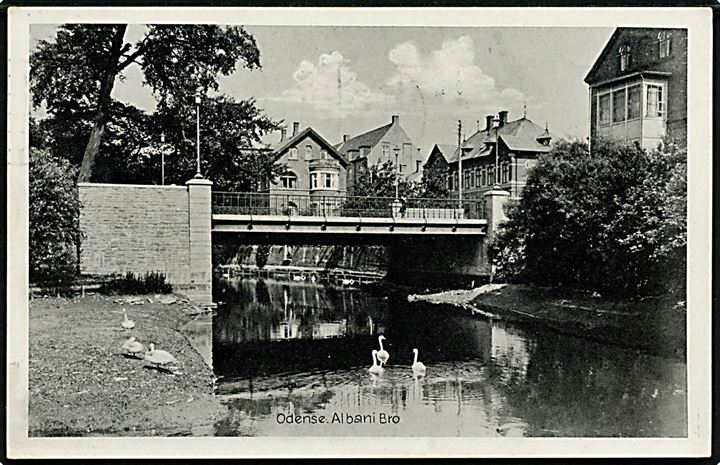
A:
[54,213]
[613,220]
[150,283]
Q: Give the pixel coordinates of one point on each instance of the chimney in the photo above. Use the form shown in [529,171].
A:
[296,127]
[417,165]
[283,134]
[488,122]
[346,137]
[395,119]
[503,117]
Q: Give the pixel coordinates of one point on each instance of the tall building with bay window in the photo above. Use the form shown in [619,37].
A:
[638,86]
[315,170]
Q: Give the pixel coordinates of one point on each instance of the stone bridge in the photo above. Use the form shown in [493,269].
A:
[170,229]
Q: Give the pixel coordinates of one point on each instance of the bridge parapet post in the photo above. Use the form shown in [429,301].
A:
[200,225]
[495,201]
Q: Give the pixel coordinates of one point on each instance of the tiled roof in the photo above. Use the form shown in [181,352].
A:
[283,146]
[368,139]
[446,150]
[518,135]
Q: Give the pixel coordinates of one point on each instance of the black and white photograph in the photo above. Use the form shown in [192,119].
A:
[309,232]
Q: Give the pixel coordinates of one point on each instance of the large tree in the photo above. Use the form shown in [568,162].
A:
[612,220]
[74,75]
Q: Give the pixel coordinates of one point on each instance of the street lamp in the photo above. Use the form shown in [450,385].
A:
[397,178]
[162,158]
[198,175]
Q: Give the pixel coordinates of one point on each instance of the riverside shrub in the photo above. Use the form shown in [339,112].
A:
[614,220]
[54,212]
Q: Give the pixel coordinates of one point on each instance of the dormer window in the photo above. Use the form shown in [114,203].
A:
[664,44]
[624,57]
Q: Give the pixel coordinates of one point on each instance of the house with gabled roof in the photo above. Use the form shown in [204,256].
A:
[385,143]
[498,156]
[638,86]
[315,168]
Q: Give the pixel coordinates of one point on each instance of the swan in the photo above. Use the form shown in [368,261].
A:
[159,357]
[418,368]
[382,354]
[132,347]
[375,369]
[127,323]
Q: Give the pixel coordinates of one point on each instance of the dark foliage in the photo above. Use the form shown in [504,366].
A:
[612,221]
[150,283]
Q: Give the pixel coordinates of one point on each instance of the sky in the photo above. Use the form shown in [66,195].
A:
[348,80]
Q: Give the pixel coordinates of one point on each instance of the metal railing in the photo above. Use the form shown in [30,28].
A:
[253,203]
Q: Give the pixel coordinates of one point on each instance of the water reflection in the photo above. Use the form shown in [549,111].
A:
[295,350]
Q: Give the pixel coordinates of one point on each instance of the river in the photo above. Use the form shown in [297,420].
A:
[292,359]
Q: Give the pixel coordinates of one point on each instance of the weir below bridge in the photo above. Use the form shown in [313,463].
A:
[170,229]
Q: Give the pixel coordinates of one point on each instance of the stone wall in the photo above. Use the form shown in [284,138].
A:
[133,228]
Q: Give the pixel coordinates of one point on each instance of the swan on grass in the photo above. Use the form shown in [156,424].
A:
[418,368]
[382,354]
[159,358]
[127,323]
[375,369]
[132,347]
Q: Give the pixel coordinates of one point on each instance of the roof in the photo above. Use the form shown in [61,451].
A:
[368,139]
[285,145]
[446,150]
[520,135]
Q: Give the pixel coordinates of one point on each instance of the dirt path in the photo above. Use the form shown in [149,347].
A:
[80,384]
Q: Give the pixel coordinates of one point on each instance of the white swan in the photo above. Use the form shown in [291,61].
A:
[159,357]
[127,323]
[418,368]
[132,347]
[382,354]
[375,369]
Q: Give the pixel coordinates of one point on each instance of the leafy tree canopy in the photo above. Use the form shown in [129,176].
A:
[613,220]
[379,181]
[73,76]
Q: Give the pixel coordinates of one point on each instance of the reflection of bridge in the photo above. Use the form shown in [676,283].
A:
[170,229]
[292,214]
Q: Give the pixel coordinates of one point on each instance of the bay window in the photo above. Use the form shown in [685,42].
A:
[323,180]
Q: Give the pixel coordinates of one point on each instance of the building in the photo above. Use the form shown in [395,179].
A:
[500,155]
[386,143]
[638,86]
[315,169]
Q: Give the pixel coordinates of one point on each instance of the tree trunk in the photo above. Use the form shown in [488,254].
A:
[103,107]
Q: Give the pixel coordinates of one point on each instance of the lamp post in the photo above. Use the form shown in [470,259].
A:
[496,125]
[198,175]
[460,177]
[397,178]
[162,158]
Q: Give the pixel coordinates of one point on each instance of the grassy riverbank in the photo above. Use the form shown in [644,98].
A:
[80,384]
[656,324]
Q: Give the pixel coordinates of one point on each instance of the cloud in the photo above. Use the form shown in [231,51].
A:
[449,74]
[330,85]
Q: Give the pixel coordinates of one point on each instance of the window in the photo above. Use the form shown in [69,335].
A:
[477,177]
[292,154]
[664,44]
[323,180]
[491,175]
[386,151]
[655,103]
[449,183]
[455,181]
[471,176]
[510,167]
[466,179]
[618,105]
[604,109]
[323,154]
[308,152]
[288,181]
[634,102]
[483,180]
[504,172]
[624,57]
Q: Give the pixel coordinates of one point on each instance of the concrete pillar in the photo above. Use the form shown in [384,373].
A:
[494,212]
[200,222]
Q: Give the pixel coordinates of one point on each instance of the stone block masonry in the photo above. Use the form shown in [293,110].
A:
[141,229]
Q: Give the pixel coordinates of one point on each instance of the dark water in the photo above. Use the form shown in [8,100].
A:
[294,350]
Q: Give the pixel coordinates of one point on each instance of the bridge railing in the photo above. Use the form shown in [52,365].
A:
[262,203]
